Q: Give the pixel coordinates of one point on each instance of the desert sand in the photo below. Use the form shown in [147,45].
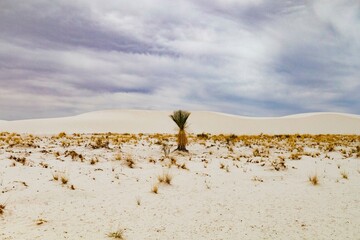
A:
[94,176]
[141,121]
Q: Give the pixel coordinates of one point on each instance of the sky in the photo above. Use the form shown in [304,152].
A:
[247,57]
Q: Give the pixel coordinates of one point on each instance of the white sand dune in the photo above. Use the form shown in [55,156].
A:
[143,121]
[220,189]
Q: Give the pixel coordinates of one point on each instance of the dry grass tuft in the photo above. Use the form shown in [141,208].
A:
[314,180]
[55,176]
[119,234]
[155,188]
[40,221]
[165,178]
[138,201]
[257,179]
[94,160]
[344,175]
[117,156]
[64,179]
[2,208]
[130,162]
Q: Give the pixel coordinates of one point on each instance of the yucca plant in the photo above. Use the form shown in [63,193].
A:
[180,117]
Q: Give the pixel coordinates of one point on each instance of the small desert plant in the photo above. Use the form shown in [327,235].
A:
[40,221]
[138,201]
[117,157]
[257,179]
[55,176]
[165,178]
[279,164]
[256,152]
[155,189]
[119,234]
[180,117]
[93,161]
[2,208]
[222,166]
[130,162]
[295,156]
[183,166]
[314,180]
[344,175]
[166,150]
[64,179]
[61,135]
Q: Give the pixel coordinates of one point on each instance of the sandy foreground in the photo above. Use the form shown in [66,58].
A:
[60,180]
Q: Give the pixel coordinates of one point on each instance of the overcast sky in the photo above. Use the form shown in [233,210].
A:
[247,57]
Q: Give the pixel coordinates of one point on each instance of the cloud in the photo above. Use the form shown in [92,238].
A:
[243,57]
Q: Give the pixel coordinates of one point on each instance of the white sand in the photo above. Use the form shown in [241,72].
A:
[139,121]
[203,202]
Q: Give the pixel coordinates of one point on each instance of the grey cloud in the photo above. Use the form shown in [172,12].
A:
[247,57]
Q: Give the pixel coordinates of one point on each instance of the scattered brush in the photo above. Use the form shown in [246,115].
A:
[225,167]
[100,143]
[2,208]
[74,155]
[94,160]
[166,150]
[152,160]
[183,166]
[130,162]
[138,201]
[117,157]
[119,234]
[173,161]
[44,165]
[165,178]
[61,135]
[357,151]
[279,163]
[222,166]
[344,175]
[55,176]
[60,177]
[256,153]
[64,179]
[155,188]
[21,160]
[295,156]
[314,180]
[257,179]
[40,221]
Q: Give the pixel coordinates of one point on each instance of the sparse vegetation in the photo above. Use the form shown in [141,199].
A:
[344,175]
[150,154]
[165,178]
[2,208]
[138,201]
[130,162]
[119,234]
[40,221]
[257,179]
[64,179]
[180,117]
[155,188]
[55,176]
[314,180]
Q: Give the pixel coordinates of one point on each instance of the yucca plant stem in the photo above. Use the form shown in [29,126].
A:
[180,117]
